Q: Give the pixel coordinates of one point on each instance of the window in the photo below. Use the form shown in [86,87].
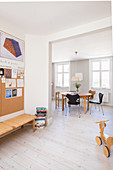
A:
[101,73]
[63,75]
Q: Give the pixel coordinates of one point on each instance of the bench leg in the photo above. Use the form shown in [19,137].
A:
[33,125]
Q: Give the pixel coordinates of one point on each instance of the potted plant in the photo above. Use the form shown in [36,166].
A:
[77,86]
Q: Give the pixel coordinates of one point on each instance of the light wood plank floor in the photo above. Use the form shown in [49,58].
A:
[67,144]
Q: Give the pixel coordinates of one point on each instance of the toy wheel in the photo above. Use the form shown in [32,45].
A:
[106,151]
[98,140]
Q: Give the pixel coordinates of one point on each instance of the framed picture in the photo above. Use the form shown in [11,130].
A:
[11,47]
[14,92]
[8,93]
[1,72]
[8,73]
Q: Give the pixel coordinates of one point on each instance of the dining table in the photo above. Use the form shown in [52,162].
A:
[85,96]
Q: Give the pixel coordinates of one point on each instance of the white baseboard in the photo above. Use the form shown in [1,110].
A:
[107,104]
[9,116]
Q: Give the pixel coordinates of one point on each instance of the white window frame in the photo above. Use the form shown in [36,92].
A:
[100,71]
[62,75]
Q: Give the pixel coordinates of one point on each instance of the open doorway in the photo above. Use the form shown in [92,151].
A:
[73,57]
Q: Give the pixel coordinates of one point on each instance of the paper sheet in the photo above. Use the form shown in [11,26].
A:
[14,73]
[20,83]
[19,92]
[10,83]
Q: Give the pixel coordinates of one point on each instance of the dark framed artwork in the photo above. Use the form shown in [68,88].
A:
[8,73]
[14,92]
[1,72]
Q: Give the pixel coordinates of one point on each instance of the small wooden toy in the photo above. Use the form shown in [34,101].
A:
[108,141]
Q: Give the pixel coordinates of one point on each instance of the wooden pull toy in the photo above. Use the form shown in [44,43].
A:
[107,140]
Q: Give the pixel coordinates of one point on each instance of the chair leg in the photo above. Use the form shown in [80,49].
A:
[79,111]
[102,110]
[65,102]
[90,108]
[69,108]
[99,107]
[66,111]
[55,103]
[58,102]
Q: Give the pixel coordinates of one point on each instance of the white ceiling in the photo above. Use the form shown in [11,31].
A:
[95,44]
[49,17]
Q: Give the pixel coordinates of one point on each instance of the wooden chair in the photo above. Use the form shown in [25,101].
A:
[93,93]
[57,99]
[91,98]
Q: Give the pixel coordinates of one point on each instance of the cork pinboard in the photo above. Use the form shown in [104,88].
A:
[13,104]
[11,57]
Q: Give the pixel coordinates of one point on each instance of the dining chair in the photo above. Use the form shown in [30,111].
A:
[57,99]
[93,93]
[91,98]
[99,103]
[74,100]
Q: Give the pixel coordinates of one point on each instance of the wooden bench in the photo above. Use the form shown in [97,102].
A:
[18,121]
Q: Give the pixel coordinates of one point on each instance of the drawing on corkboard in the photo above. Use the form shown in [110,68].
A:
[19,92]
[8,73]
[14,92]
[14,73]
[20,83]
[10,83]
[11,47]
[8,93]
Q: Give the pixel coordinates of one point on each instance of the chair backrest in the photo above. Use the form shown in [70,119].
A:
[93,93]
[100,97]
[57,99]
[57,95]
[73,99]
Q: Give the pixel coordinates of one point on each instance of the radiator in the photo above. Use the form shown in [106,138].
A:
[106,97]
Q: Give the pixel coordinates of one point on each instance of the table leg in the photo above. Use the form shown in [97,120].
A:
[62,103]
[84,105]
[33,125]
[88,104]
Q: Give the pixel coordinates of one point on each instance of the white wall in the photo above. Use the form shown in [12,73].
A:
[86,28]
[36,73]
[81,66]
[11,29]
[53,80]
[96,43]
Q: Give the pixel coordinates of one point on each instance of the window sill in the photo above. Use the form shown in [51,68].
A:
[61,87]
[100,88]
